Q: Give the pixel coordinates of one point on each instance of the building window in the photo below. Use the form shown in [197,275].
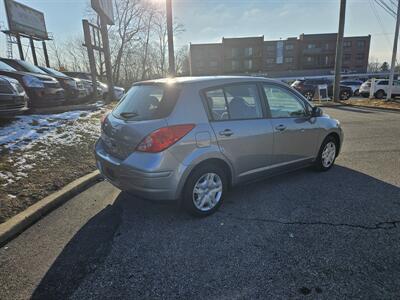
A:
[271,48]
[326,60]
[213,63]
[311,46]
[347,57]
[235,52]
[248,51]
[327,46]
[289,60]
[360,44]
[289,47]
[248,64]
[360,56]
[309,59]
[270,61]
[347,44]
[199,64]
[235,65]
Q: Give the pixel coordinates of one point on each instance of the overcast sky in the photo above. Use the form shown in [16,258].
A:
[210,20]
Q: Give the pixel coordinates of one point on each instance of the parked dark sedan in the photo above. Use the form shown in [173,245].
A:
[13,99]
[42,90]
[308,88]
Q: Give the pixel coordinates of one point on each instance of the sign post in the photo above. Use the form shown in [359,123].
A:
[104,9]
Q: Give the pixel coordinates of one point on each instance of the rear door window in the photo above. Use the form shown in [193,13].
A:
[147,102]
[234,102]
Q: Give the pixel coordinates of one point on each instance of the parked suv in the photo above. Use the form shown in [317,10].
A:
[193,138]
[13,99]
[42,90]
[381,88]
[308,88]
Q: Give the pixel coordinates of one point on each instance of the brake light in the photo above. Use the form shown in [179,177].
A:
[163,138]
[103,118]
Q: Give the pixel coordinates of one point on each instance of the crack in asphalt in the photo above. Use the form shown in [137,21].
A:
[381,225]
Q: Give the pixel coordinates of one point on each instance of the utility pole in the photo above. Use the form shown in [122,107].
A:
[107,58]
[339,51]
[393,65]
[171,55]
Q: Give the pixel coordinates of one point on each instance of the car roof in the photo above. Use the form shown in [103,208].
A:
[209,80]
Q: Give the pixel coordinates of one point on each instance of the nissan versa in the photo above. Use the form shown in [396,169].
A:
[190,139]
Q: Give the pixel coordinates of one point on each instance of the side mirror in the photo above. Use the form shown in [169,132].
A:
[316,112]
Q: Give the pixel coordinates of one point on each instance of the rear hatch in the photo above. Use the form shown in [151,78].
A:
[140,112]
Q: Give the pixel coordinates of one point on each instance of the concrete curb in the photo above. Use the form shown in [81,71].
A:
[361,106]
[23,220]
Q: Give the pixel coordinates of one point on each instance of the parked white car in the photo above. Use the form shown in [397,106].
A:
[381,88]
[354,84]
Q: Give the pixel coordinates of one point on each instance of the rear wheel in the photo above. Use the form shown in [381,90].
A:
[309,95]
[327,154]
[344,95]
[204,190]
[379,94]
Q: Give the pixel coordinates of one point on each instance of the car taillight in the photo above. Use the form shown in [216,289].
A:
[163,138]
[103,118]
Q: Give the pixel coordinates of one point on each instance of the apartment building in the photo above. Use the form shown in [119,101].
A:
[308,52]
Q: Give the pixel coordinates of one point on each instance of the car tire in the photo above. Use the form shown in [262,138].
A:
[309,95]
[344,95]
[327,154]
[357,92]
[379,94]
[204,190]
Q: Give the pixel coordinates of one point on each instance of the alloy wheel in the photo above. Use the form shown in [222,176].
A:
[207,191]
[328,154]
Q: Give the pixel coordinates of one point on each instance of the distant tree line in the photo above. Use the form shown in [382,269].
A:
[138,45]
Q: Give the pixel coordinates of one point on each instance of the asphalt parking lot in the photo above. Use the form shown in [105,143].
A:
[303,234]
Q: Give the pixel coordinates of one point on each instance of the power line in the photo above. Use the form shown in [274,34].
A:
[383,5]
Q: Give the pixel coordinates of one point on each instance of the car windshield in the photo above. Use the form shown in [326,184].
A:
[54,72]
[5,67]
[30,68]
[147,102]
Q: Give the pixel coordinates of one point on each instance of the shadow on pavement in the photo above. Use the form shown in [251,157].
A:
[362,110]
[331,233]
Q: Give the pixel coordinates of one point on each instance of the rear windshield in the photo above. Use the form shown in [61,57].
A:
[147,102]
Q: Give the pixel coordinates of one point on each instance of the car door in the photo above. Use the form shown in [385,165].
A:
[295,133]
[243,133]
[396,88]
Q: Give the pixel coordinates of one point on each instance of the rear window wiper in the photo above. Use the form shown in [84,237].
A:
[128,115]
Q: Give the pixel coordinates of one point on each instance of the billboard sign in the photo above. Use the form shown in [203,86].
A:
[105,9]
[279,52]
[25,20]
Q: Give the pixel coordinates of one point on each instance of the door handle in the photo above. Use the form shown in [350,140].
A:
[280,127]
[226,132]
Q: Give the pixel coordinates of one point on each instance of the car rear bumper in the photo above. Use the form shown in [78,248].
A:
[153,185]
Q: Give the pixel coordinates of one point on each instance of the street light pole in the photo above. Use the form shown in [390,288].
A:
[393,65]
[171,55]
[339,51]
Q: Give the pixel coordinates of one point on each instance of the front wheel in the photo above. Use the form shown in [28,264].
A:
[327,154]
[204,190]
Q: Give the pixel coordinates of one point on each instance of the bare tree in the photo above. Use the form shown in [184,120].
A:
[128,24]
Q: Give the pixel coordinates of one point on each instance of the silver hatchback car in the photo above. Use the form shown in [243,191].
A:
[193,138]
